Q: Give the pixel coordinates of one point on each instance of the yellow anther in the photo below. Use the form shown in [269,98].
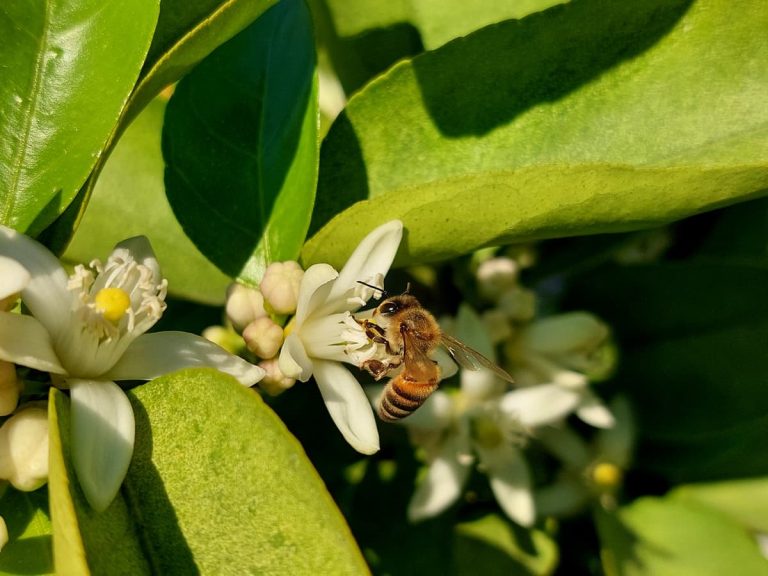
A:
[606,475]
[112,303]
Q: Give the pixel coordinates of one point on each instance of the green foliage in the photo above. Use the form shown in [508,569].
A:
[219,486]
[29,530]
[62,96]
[131,181]
[259,142]
[588,124]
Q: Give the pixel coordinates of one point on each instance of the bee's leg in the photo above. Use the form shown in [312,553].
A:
[375,368]
[374,332]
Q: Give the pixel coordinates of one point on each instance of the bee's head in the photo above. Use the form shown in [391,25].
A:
[395,304]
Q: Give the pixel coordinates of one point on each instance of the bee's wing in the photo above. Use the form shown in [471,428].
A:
[418,365]
[471,359]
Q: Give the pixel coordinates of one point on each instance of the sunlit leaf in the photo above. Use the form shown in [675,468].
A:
[217,485]
[129,199]
[593,116]
[29,548]
[743,500]
[240,143]
[68,70]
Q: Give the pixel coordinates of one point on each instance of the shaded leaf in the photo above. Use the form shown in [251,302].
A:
[219,485]
[130,191]
[186,33]
[61,96]
[572,136]
[240,143]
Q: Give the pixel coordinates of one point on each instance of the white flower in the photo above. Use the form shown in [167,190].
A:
[455,429]
[323,333]
[88,330]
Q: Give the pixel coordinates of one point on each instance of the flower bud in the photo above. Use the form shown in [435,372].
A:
[263,337]
[24,457]
[280,286]
[497,325]
[9,388]
[224,337]
[274,381]
[496,276]
[244,305]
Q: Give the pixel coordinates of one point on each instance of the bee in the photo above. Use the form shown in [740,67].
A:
[410,334]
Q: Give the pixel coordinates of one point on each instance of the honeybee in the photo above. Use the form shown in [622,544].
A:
[410,334]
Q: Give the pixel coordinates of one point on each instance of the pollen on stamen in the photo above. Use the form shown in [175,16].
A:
[112,303]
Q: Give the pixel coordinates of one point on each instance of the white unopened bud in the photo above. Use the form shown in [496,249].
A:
[9,388]
[497,324]
[244,305]
[274,381]
[24,449]
[280,286]
[575,333]
[518,303]
[495,276]
[263,337]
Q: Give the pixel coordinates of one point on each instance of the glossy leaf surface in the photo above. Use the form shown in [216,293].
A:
[584,121]
[68,71]
[240,144]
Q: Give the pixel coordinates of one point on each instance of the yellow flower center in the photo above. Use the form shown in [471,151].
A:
[606,475]
[112,303]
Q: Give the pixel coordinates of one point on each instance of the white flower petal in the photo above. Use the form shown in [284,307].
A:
[315,286]
[25,341]
[13,277]
[540,405]
[293,361]
[141,251]
[592,411]
[373,256]
[348,406]
[103,431]
[444,361]
[510,481]
[444,482]
[155,354]
[46,293]
[565,333]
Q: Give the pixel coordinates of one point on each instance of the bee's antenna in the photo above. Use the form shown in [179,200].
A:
[407,288]
[372,287]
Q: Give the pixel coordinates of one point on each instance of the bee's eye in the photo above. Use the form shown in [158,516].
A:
[388,308]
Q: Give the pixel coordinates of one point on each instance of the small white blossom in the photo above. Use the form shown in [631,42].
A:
[88,330]
[496,276]
[323,335]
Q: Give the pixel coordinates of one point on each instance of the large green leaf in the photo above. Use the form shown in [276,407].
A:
[594,116]
[693,337]
[666,536]
[68,69]
[745,500]
[216,485]
[28,550]
[240,143]
[131,190]
[187,31]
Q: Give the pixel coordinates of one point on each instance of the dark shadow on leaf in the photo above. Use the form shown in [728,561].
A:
[165,546]
[505,69]
[33,554]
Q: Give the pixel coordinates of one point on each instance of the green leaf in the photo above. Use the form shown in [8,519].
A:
[28,550]
[130,191]
[65,83]
[575,120]
[664,536]
[743,500]
[693,362]
[492,545]
[188,31]
[240,143]
[219,485]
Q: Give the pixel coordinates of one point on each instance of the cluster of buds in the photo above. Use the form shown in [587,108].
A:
[258,315]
